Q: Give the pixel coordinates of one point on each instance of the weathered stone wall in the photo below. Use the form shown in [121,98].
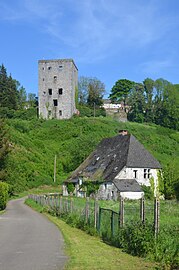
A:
[58,80]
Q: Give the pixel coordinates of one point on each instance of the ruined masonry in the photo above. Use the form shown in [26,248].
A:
[58,81]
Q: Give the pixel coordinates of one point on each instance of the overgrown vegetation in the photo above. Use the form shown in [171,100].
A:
[88,252]
[4,189]
[135,237]
[34,143]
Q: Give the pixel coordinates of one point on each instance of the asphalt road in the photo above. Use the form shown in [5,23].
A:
[28,240]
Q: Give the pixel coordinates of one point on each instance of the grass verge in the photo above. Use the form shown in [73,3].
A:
[90,253]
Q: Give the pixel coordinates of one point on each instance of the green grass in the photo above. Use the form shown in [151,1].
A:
[40,190]
[87,252]
[36,142]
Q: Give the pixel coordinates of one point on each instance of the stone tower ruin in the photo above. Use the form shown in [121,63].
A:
[58,81]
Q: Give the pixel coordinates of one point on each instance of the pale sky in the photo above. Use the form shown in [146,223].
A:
[108,39]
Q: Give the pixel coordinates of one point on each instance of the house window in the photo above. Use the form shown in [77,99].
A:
[60,112]
[60,91]
[50,91]
[55,102]
[105,186]
[135,173]
[49,68]
[147,173]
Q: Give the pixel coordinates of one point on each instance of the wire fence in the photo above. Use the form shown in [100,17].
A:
[103,220]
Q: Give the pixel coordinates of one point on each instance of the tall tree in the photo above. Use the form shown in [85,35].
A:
[32,99]
[90,90]
[121,90]
[136,102]
[3,87]
[149,90]
[96,90]
[11,93]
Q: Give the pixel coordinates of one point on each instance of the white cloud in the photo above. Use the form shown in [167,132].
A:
[92,29]
[155,67]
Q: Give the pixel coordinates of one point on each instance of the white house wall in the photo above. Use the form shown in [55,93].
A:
[129,173]
[132,195]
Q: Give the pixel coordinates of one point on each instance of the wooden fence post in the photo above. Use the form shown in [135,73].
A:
[99,220]
[66,205]
[121,212]
[87,210]
[112,223]
[142,210]
[61,204]
[156,216]
[71,204]
[96,212]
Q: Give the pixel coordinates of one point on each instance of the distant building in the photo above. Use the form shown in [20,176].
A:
[116,109]
[58,80]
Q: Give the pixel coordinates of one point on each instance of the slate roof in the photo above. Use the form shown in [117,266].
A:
[127,185]
[111,155]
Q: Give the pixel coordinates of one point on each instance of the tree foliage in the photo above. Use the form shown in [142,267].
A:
[4,149]
[11,93]
[4,188]
[150,101]
[91,90]
[121,90]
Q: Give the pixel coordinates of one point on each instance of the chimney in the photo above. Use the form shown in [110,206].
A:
[123,132]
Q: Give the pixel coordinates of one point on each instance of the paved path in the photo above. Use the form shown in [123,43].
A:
[28,240]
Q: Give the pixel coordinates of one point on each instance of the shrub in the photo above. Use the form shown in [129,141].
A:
[4,188]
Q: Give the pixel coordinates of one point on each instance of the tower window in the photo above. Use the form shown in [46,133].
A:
[49,68]
[43,68]
[55,102]
[55,78]
[50,91]
[60,67]
[60,91]
[60,113]
[43,79]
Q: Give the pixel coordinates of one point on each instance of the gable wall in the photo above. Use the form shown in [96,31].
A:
[129,173]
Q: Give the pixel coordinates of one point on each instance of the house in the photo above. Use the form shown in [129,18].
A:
[119,165]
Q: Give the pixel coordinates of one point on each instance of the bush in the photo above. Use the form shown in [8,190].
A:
[4,188]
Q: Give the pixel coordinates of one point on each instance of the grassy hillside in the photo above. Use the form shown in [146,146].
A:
[35,143]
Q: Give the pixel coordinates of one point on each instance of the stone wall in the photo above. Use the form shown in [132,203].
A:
[58,80]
